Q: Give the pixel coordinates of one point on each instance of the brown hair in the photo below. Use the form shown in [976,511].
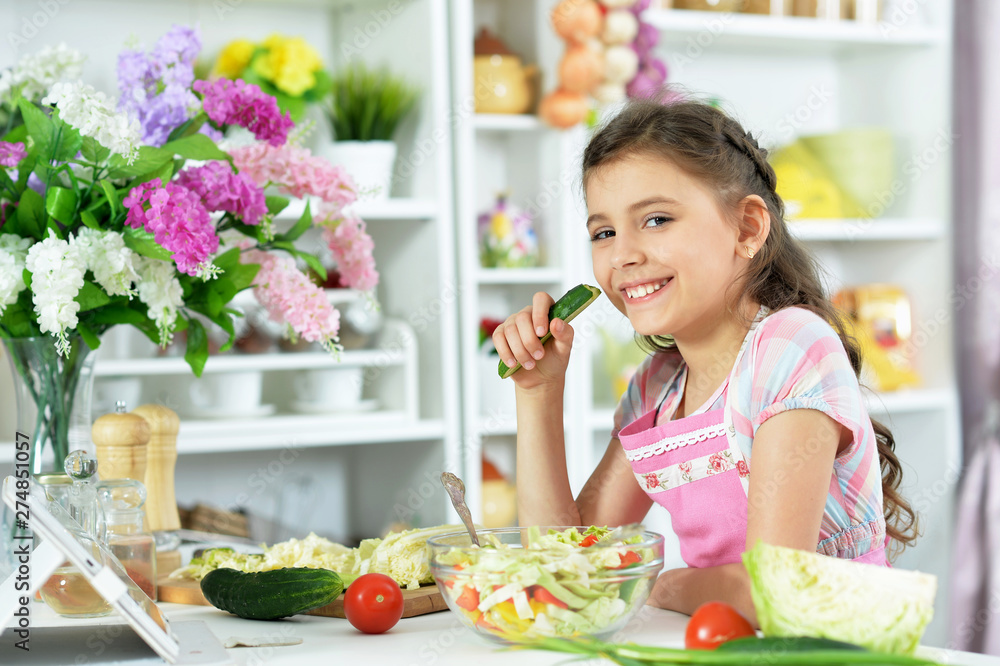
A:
[712,147]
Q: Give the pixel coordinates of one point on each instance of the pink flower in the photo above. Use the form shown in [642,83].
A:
[715,463]
[221,189]
[652,481]
[684,467]
[352,248]
[296,172]
[742,469]
[291,298]
[245,104]
[11,153]
[178,221]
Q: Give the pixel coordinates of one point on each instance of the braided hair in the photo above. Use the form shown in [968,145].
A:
[712,147]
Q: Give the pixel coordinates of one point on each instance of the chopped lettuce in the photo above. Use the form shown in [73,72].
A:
[556,585]
[402,556]
[801,593]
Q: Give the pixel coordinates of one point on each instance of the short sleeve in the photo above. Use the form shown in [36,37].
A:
[799,362]
[645,388]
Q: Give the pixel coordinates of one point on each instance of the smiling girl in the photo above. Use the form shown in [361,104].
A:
[746,421]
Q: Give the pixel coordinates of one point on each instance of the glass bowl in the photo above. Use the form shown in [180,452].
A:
[531,582]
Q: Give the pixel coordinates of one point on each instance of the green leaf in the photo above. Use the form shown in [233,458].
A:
[91,297]
[144,243]
[188,127]
[40,127]
[24,170]
[242,277]
[89,220]
[31,217]
[93,151]
[17,135]
[276,204]
[228,259]
[88,335]
[305,221]
[60,203]
[67,142]
[112,195]
[197,347]
[150,159]
[17,318]
[196,147]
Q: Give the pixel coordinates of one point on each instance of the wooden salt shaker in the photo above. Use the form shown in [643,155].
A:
[161,503]
[121,440]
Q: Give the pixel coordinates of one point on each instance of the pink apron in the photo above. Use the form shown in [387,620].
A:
[691,468]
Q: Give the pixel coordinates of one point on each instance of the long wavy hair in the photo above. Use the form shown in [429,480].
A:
[709,145]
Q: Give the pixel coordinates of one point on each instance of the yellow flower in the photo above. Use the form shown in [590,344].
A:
[289,63]
[501,226]
[233,59]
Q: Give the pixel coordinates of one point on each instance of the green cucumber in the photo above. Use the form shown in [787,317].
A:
[566,308]
[269,595]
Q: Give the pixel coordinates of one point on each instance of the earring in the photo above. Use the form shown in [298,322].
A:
[749,252]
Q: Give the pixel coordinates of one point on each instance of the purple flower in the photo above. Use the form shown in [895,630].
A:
[155,87]
[221,189]
[240,103]
[35,183]
[11,153]
[178,221]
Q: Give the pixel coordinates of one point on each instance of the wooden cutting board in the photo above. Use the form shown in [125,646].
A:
[425,600]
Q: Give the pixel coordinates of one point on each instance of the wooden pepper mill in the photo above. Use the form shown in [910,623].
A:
[121,440]
[161,504]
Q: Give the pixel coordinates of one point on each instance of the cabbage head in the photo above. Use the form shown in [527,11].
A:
[801,593]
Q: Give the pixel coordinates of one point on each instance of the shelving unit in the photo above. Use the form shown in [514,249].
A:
[416,426]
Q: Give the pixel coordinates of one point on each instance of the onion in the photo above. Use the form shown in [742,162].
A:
[576,20]
[563,109]
[581,69]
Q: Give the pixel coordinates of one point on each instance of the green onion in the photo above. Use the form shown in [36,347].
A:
[784,651]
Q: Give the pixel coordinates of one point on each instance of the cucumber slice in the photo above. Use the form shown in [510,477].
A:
[566,308]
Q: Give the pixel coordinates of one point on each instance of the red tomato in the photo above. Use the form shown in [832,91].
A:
[468,599]
[373,603]
[627,558]
[543,596]
[715,623]
[588,541]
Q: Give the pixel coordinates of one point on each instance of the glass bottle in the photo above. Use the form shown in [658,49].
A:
[67,590]
[122,502]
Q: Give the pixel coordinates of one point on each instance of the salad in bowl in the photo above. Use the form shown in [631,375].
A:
[532,582]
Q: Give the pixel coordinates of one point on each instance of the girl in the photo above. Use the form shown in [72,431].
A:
[746,421]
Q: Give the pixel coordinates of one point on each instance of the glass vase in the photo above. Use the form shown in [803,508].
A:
[53,396]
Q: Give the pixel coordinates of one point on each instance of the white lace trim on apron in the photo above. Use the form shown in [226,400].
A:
[676,442]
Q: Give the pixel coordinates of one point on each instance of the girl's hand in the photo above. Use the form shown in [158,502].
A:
[517,341]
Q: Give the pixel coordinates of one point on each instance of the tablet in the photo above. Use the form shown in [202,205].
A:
[50,521]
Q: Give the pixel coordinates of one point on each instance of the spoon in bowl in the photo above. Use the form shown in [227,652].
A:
[456,491]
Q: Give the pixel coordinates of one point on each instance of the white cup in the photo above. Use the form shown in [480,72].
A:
[108,391]
[336,388]
[227,392]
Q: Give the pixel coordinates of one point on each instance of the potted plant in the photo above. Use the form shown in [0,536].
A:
[365,108]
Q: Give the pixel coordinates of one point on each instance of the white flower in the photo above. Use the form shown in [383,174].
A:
[105,255]
[160,290]
[13,250]
[57,270]
[93,115]
[38,72]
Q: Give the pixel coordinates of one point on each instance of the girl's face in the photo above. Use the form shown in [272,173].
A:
[662,250]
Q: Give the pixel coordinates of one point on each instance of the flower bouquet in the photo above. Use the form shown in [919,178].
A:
[287,68]
[135,213]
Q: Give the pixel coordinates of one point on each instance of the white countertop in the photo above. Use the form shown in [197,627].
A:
[437,639]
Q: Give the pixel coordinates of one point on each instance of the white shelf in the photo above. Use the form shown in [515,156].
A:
[519,276]
[176,365]
[867,229]
[387,209]
[501,122]
[801,34]
[294,431]
[892,404]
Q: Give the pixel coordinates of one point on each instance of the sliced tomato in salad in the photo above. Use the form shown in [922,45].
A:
[468,599]
[629,557]
[543,596]
[589,541]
